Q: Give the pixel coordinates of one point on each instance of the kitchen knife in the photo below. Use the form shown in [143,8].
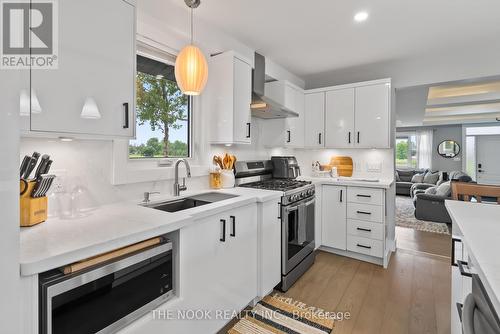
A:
[47,186]
[24,164]
[37,187]
[47,167]
[32,164]
[41,166]
[29,168]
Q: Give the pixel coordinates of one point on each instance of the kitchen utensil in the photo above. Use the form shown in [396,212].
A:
[29,168]
[24,187]
[43,183]
[24,165]
[41,166]
[344,165]
[227,178]
[47,167]
[217,160]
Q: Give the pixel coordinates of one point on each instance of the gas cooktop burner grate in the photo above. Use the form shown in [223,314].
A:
[277,184]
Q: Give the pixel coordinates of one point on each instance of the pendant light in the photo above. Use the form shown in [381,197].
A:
[191,68]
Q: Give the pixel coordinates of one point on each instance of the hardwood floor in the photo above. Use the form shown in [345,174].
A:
[427,242]
[411,296]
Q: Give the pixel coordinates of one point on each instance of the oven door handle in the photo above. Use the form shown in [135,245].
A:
[291,209]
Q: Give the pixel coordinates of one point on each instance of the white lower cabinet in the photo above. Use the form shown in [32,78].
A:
[219,263]
[353,222]
[269,247]
[334,216]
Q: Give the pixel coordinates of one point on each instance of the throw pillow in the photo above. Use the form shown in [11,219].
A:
[444,189]
[431,191]
[431,178]
[417,178]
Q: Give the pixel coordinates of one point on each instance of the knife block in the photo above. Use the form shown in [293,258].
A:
[33,210]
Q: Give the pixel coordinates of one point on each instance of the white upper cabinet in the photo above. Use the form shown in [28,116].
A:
[314,120]
[372,116]
[349,116]
[294,126]
[285,132]
[339,118]
[93,90]
[227,99]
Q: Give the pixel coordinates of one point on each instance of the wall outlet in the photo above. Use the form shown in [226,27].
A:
[59,183]
[374,167]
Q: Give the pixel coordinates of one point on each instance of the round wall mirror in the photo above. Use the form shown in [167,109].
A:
[448,149]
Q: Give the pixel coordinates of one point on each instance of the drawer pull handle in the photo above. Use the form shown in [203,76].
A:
[363,229]
[223,237]
[363,246]
[453,241]
[365,196]
[461,265]
[364,212]
[233,221]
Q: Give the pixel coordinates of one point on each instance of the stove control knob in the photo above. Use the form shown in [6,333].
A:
[293,198]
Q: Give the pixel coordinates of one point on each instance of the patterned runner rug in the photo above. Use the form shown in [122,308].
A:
[278,314]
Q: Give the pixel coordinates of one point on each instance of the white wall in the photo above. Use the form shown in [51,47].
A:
[10,315]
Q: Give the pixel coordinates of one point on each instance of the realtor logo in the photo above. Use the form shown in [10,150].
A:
[29,34]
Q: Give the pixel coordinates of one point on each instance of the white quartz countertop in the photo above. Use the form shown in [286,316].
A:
[59,241]
[480,227]
[351,181]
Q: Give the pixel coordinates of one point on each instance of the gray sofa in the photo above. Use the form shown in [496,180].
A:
[429,201]
[405,182]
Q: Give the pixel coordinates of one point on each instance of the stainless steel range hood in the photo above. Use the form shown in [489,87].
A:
[264,106]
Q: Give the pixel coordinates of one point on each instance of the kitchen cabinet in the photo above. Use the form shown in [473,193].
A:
[294,128]
[269,247]
[339,118]
[372,116]
[285,132]
[227,99]
[334,227]
[96,71]
[353,222]
[314,120]
[219,260]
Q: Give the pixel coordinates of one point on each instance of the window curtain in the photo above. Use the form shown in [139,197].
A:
[424,149]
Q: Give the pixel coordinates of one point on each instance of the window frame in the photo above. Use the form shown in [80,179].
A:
[153,53]
[406,136]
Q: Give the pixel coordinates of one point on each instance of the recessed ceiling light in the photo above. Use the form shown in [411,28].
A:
[360,16]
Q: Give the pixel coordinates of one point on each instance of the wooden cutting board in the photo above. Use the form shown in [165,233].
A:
[343,164]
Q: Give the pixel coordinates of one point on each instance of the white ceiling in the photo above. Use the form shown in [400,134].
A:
[314,36]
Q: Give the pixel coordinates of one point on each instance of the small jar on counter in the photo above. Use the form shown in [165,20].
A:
[215,178]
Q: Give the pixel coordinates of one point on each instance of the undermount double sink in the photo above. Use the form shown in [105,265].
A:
[190,202]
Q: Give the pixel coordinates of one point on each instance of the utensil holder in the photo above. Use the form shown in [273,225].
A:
[33,211]
[227,178]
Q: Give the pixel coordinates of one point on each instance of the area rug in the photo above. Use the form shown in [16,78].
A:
[278,314]
[405,217]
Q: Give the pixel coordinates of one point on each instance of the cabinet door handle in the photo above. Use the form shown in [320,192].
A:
[223,237]
[363,246]
[461,265]
[249,125]
[358,137]
[125,110]
[279,208]
[319,138]
[364,212]
[453,241]
[289,136]
[459,310]
[363,229]
[233,222]
[366,196]
[341,194]
[349,137]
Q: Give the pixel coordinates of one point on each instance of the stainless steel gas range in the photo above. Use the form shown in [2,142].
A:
[297,210]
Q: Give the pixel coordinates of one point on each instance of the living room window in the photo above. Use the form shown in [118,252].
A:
[406,151]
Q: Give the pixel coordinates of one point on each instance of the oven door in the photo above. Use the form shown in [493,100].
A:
[108,297]
[297,233]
